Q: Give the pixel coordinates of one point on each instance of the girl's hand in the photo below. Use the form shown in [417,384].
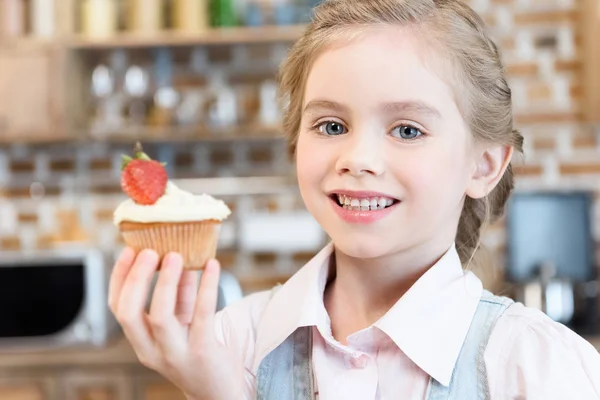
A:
[176,337]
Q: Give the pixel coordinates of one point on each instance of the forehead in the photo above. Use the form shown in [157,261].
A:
[383,64]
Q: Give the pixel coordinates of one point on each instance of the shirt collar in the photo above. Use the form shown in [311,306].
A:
[297,303]
[429,323]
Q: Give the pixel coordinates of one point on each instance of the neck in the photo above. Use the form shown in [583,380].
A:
[361,291]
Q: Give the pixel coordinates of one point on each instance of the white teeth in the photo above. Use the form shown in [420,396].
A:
[363,204]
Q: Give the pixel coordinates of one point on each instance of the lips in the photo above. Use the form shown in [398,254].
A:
[362,207]
[364,203]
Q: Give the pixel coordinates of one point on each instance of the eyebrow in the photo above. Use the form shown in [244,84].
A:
[412,107]
[317,105]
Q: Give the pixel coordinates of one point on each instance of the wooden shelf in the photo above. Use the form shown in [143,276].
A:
[35,140]
[155,135]
[203,134]
[27,42]
[264,34]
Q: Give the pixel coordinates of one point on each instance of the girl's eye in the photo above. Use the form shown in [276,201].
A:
[406,132]
[331,128]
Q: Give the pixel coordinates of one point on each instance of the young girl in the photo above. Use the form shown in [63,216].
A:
[400,119]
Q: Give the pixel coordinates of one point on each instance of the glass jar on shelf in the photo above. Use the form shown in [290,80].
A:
[42,17]
[191,16]
[146,16]
[99,18]
[13,20]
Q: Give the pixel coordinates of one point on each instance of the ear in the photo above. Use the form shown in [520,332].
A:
[490,165]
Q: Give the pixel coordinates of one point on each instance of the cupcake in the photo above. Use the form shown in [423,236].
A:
[160,216]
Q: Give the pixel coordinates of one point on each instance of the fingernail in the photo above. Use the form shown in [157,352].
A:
[172,260]
[149,256]
[211,265]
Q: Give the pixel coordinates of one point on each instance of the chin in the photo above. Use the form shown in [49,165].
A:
[358,246]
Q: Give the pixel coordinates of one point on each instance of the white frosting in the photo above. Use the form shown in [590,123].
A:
[175,205]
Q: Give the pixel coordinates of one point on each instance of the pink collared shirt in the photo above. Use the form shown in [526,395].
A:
[529,356]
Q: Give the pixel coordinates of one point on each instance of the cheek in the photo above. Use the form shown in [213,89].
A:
[431,175]
[309,163]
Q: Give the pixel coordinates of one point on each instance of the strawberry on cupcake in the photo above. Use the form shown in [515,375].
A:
[160,216]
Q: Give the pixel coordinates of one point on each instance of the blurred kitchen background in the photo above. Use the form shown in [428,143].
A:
[82,80]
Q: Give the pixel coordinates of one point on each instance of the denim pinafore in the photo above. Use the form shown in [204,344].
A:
[286,372]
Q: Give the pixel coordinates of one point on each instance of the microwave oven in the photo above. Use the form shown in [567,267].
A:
[59,298]
[54,298]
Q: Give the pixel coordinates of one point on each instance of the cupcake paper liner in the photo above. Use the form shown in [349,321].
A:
[195,241]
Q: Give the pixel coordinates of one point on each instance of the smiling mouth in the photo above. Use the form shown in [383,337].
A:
[363,203]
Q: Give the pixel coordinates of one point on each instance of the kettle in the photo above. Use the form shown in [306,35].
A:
[546,292]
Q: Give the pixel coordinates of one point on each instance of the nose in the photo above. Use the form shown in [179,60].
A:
[361,155]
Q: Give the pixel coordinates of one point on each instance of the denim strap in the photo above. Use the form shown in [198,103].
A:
[469,378]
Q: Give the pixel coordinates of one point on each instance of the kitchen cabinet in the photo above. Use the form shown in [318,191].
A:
[110,373]
[152,386]
[88,384]
[30,96]
[161,391]
[28,387]
[21,393]
[100,384]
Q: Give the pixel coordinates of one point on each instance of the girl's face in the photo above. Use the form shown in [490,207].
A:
[382,135]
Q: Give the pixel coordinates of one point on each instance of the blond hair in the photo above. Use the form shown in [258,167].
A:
[459,36]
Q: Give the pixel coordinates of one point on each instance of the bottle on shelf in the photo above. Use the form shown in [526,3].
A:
[108,89]
[137,88]
[102,86]
[270,113]
[166,97]
[222,109]
[223,13]
[190,111]
[253,14]
[284,12]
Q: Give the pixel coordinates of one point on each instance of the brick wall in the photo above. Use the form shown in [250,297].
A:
[62,195]
[541,48]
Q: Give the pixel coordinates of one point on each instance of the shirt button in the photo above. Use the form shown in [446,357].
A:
[360,361]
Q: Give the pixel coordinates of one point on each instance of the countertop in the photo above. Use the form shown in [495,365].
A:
[116,353]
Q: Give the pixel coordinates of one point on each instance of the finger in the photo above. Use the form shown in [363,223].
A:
[206,302]
[166,329]
[131,307]
[186,297]
[118,275]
